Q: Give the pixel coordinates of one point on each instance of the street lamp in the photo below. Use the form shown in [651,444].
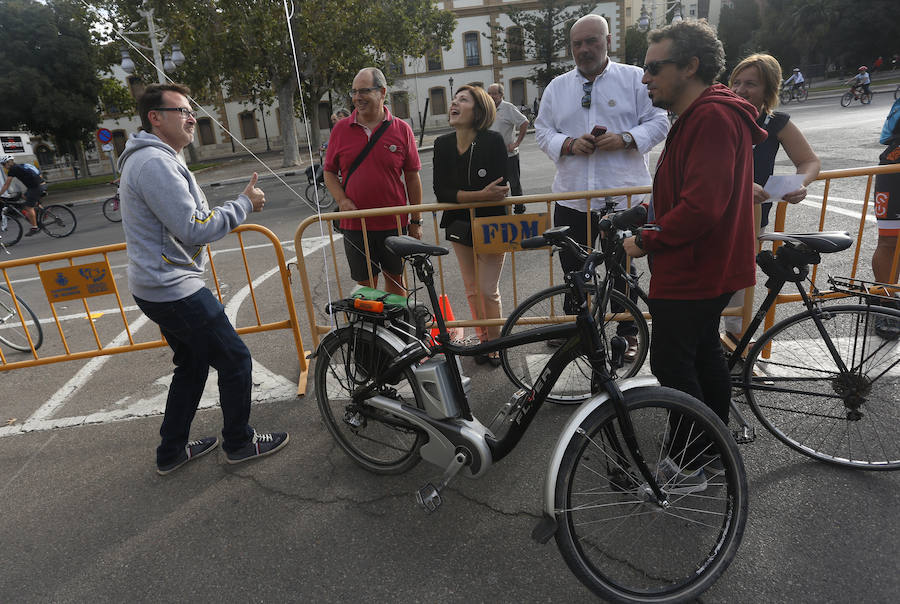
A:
[451,86]
[172,60]
[644,21]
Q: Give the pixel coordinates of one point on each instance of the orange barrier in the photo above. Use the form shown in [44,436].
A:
[40,263]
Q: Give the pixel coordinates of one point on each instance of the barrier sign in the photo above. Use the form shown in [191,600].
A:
[81,281]
[496,234]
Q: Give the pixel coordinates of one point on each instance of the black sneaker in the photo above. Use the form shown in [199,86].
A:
[33,231]
[193,450]
[260,446]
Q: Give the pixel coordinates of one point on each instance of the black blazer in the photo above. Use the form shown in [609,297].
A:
[488,158]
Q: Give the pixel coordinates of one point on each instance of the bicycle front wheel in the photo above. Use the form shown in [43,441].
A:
[381,443]
[799,390]
[523,364]
[111,210]
[13,331]
[10,230]
[846,99]
[785,96]
[57,221]
[611,531]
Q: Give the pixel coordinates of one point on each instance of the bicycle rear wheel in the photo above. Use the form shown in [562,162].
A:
[611,531]
[111,209]
[523,364]
[846,99]
[381,443]
[11,231]
[57,221]
[324,200]
[848,417]
[13,332]
[802,94]
[866,98]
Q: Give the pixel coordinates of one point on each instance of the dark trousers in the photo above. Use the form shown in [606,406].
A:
[201,336]
[512,174]
[575,220]
[685,351]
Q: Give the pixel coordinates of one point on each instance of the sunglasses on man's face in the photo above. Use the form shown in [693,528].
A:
[654,67]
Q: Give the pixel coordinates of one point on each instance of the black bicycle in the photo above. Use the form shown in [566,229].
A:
[825,381]
[56,220]
[645,491]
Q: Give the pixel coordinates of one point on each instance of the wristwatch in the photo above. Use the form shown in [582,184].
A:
[639,239]
[416,222]
[629,140]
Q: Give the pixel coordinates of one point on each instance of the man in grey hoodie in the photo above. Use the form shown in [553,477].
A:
[168,223]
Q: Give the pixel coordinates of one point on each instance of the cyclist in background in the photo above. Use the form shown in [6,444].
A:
[796,81]
[861,79]
[32,182]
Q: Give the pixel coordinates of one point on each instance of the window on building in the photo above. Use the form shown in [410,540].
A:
[438,102]
[400,105]
[324,116]
[515,44]
[433,60]
[517,95]
[247,120]
[118,140]
[472,48]
[204,127]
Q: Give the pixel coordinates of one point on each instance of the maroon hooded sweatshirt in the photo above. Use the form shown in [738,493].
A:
[703,201]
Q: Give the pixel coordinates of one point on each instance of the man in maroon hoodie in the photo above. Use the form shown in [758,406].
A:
[703,204]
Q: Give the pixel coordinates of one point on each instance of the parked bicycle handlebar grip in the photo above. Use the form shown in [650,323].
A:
[630,218]
[534,242]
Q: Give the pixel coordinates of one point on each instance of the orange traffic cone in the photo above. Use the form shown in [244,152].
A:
[456,333]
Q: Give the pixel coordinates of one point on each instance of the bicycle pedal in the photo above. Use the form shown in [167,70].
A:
[429,498]
[744,435]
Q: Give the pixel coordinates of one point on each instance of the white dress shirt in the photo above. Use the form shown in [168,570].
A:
[619,101]
[507,123]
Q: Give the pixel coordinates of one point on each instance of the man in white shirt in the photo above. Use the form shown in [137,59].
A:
[597,93]
[509,120]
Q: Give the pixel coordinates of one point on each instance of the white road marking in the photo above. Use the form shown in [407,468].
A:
[267,386]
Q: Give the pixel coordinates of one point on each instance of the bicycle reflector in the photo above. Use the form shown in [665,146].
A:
[368,305]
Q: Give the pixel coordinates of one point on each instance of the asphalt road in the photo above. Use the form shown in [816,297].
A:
[83,516]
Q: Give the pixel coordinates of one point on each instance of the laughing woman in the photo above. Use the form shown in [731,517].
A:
[470,165]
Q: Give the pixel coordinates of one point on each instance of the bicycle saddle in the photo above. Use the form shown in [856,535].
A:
[825,242]
[404,245]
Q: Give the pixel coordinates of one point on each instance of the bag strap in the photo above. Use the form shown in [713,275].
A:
[362,154]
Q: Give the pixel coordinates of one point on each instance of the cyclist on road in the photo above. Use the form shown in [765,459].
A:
[861,79]
[796,81]
[32,182]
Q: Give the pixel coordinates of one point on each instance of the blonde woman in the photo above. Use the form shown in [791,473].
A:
[757,79]
[470,165]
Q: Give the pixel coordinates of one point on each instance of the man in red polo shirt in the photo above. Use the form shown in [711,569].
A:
[377,182]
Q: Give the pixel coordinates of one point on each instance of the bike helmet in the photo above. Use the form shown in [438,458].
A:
[796,69]
[863,68]
[5,158]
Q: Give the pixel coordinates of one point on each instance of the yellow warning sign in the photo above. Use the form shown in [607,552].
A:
[81,281]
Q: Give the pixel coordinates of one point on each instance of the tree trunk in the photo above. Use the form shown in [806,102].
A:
[82,159]
[291,151]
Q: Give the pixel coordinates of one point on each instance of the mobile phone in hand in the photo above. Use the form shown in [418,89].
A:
[598,130]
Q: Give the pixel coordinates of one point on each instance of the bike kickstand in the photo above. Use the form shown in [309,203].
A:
[429,496]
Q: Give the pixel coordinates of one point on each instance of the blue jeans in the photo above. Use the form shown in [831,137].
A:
[201,336]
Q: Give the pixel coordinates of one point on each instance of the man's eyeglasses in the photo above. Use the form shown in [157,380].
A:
[653,67]
[185,113]
[355,91]
[586,99]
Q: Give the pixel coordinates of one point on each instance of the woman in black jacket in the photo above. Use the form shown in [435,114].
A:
[470,165]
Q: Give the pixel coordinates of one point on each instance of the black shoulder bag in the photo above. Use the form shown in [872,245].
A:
[359,159]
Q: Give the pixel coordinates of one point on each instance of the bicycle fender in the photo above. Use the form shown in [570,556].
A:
[391,339]
[568,431]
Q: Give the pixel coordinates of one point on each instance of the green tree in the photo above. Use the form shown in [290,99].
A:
[635,45]
[545,36]
[737,24]
[116,99]
[50,66]
[243,46]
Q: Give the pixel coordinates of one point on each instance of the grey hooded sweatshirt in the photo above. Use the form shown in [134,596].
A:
[167,221]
